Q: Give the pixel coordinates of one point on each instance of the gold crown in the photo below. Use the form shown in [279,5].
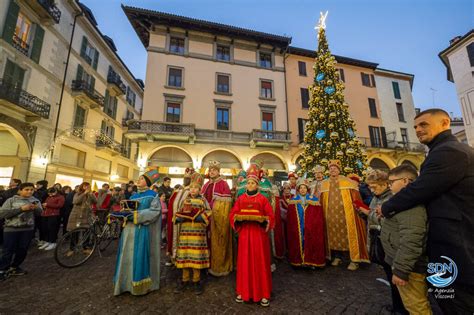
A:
[215,164]
[335,163]
[197,179]
[319,169]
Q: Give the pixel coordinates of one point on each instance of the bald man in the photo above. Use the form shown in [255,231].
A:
[446,187]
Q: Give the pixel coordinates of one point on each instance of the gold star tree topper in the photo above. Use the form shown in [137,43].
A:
[322,21]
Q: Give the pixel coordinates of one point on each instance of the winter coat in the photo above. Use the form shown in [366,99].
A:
[446,188]
[81,210]
[53,205]
[404,242]
[17,219]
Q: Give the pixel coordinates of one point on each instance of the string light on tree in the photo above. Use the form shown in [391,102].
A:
[330,132]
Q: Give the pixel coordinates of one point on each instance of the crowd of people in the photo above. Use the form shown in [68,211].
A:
[401,220]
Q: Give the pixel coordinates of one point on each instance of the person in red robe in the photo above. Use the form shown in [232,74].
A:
[305,229]
[252,217]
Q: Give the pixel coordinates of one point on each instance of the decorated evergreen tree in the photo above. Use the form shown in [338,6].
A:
[330,132]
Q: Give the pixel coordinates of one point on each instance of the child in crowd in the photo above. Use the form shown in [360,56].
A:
[193,252]
[404,240]
[50,218]
[19,214]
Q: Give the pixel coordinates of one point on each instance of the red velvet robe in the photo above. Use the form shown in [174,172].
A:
[169,224]
[305,232]
[254,276]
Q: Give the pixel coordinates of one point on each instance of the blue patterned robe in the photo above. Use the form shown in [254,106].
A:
[138,259]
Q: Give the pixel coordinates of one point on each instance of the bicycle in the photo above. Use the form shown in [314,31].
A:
[77,246]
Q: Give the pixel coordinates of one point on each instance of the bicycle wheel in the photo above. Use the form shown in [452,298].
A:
[75,247]
[110,233]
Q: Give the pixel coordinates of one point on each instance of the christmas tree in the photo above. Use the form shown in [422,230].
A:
[330,132]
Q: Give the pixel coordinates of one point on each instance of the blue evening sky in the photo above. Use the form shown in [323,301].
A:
[402,35]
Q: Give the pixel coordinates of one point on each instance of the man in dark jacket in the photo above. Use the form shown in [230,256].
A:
[445,186]
[166,188]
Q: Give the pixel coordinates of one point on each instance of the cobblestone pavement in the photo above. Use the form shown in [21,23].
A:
[48,288]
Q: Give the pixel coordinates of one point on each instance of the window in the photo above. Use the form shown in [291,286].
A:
[367,79]
[122,170]
[223,83]
[223,118]
[13,75]
[267,121]
[302,68]
[304,98]
[175,77]
[131,97]
[22,31]
[404,133]
[341,75]
[85,80]
[79,121]
[173,112]
[110,105]
[89,53]
[102,165]
[6,173]
[223,53]
[396,90]
[266,89]
[470,53]
[265,60]
[107,130]
[373,108]
[401,115]
[301,128]
[177,45]
[378,137]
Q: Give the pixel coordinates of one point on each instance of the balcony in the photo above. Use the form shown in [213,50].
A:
[115,84]
[394,145]
[222,136]
[13,97]
[154,130]
[84,92]
[104,142]
[268,138]
[46,10]
[20,45]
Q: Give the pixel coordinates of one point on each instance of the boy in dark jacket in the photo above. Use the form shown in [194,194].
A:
[19,214]
[404,241]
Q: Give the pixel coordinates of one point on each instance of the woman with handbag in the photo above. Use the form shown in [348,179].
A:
[378,183]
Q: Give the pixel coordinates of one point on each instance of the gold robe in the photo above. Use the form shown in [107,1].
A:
[345,230]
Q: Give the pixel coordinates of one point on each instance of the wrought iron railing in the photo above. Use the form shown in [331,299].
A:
[51,8]
[105,141]
[114,78]
[395,145]
[83,86]
[149,126]
[258,134]
[20,45]
[14,94]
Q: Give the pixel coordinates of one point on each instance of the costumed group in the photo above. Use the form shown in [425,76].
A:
[309,223]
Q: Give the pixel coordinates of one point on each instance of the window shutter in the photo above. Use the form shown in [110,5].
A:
[80,72]
[106,100]
[301,129]
[114,113]
[10,23]
[373,80]
[384,137]
[304,98]
[102,126]
[96,59]
[83,46]
[37,44]
[362,78]
[267,116]
[372,136]
[92,84]
[341,75]
[470,53]
[266,85]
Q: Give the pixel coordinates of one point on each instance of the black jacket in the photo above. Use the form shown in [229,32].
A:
[41,194]
[446,187]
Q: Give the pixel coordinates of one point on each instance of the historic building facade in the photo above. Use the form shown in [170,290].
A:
[220,92]
[65,95]
[459,61]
